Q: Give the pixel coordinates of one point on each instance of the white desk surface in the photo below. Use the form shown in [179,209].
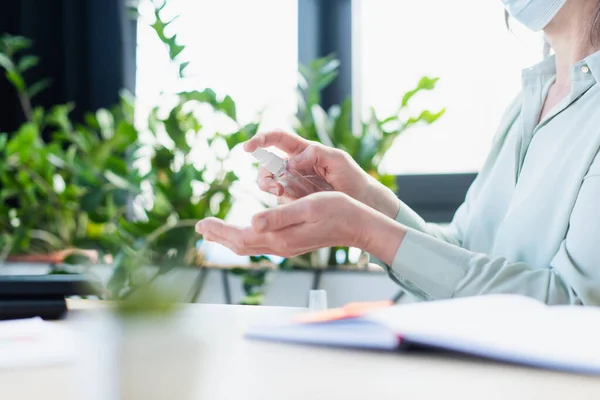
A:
[234,368]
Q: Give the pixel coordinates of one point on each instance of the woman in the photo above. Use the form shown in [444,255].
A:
[530,223]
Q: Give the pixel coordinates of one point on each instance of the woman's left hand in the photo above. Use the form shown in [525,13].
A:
[320,220]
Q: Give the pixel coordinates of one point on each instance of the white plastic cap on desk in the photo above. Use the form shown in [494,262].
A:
[317,300]
[268,160]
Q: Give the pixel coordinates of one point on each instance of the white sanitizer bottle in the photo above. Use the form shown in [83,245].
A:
[296,183]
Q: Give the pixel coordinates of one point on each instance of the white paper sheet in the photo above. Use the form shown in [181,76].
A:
[34,343]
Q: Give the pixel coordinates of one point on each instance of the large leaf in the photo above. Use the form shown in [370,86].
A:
[162,204]
[126,105]
[120,182]
[125,136]
[13,44]
[6,62]
[182,183]
[174,130]
[16,79]
[58,116]
[205,96]
[174,48]
[24,142]
[370,142]
[426,116]
[241,136]
[117,164]
[228,107]
[38,87]
[106,121]
[324,71]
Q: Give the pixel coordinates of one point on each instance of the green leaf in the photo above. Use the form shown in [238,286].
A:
[117,164]
[189,122]
[59,116]
[326,71]
[162,159]
[120,182]
[6,194]
[92,200]
[56,161]
[106,121]
[371,139]
[425,83]
[37,116]
[174,48]
[38,87]
[16,79]
[173,128]
[162,205]
[6,62]
[24,142]
[14,44]
[426,116]
[127,105]
[27,62]
[125,136]
[228,107]
[205,96]
[182,68]
[388,181]
[3,140]
[182,182]
[241,136]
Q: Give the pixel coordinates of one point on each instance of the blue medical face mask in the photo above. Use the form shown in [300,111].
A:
[534,14]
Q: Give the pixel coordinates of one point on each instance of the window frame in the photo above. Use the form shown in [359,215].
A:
[327,27]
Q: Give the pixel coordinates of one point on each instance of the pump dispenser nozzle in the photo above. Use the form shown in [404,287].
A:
[268,160]
[296,184]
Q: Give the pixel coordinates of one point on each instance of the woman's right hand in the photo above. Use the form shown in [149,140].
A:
[333,165]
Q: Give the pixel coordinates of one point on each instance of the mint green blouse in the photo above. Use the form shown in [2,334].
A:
[530,223]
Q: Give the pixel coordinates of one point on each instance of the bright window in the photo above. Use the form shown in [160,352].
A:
[465,44]
[246,49]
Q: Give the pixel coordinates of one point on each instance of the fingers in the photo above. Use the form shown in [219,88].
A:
[289,142]
[266,183]
[307,159]
[243,241]
[287,215]
[316,155]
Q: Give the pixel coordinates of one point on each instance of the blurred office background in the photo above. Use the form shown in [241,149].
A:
[248,53]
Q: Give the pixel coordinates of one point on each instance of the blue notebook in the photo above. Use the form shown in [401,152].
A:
[506,328]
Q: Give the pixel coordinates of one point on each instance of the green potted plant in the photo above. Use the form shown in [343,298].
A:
[63,185]
[69,186]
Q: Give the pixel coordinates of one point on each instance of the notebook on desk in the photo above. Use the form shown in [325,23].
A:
[506,328]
